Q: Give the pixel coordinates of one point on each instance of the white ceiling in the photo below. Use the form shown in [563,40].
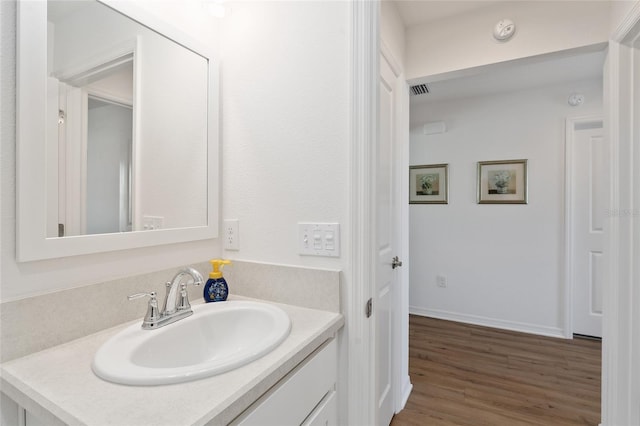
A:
[511,76]
[415,12]
[518,75]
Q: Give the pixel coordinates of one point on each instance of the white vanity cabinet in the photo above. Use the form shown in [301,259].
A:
[305,396]
[295,384]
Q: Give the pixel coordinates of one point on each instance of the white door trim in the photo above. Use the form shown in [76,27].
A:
[359,329]
[385,51]
[570,127]
[621,331]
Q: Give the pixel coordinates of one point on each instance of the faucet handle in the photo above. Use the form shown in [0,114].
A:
[153,314]
[183,303]
[152,295]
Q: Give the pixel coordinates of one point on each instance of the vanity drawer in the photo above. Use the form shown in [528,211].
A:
[300,395]
[326,413]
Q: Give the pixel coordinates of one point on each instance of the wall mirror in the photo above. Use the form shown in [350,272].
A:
[117,130]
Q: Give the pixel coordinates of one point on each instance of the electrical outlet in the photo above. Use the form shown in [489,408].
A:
[149,223]
[441,281]
[231,234]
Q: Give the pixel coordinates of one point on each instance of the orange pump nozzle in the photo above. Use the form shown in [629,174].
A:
[217,265]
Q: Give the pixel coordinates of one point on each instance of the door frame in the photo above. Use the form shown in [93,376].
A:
[360,330]
[570,127]
[620,374]
[621,327]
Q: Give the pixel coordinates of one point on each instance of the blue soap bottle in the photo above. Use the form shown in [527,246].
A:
[216,289]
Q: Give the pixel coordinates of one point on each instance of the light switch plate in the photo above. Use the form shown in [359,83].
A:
[319,239]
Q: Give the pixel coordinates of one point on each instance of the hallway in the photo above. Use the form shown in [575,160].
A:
[471,375]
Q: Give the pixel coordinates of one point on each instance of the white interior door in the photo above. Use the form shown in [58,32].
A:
[53,128]
[588,202]
[72,170]
[387,246]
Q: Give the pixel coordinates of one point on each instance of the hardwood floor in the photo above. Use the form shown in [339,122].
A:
[470,375]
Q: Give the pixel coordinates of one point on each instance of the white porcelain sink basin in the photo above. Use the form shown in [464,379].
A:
[218,337]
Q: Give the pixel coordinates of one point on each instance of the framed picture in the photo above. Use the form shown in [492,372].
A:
[502,182]
[429,184]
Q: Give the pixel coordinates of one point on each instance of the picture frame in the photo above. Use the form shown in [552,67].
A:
[429,184]
[502,182]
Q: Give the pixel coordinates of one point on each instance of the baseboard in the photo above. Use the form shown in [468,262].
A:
[406,391]
[489,322]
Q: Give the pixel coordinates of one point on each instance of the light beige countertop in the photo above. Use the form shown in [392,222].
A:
[58,386]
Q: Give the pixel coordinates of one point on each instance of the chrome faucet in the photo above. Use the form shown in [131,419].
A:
[176,303]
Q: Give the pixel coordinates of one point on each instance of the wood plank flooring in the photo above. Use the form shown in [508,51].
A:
[470,375]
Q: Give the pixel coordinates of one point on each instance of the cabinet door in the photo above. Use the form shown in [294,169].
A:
[31,420]
[296,396]
[10,412]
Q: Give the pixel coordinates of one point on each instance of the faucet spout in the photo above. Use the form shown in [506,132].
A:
[174,284]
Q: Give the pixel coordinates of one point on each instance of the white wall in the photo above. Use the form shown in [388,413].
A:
[392,30]
[285,72]
[286,132]
[503,262]
[466,41]
[20,280]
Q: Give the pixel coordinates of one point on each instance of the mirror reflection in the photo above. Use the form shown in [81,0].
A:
[126,125]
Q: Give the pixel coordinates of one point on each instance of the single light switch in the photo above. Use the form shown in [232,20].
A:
[328,240]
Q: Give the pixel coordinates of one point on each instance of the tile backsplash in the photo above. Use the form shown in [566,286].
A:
[40,322]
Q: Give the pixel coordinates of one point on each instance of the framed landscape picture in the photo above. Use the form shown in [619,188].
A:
[429,184]
[502,182]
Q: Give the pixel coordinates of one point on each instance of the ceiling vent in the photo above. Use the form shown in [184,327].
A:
[419,89]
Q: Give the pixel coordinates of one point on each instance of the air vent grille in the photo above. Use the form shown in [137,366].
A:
[419,89]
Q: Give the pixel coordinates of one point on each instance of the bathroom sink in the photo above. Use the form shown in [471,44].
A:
[218,337]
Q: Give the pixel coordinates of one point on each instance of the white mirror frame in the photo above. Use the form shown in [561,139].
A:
[31,58]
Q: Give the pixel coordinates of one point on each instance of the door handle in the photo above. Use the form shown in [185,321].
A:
[395,262]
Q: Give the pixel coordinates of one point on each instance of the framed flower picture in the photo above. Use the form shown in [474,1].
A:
[502,182]
[429,184]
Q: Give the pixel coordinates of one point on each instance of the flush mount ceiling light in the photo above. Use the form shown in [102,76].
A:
[504,30]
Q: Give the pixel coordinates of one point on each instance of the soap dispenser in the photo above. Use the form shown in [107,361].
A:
[216,289]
